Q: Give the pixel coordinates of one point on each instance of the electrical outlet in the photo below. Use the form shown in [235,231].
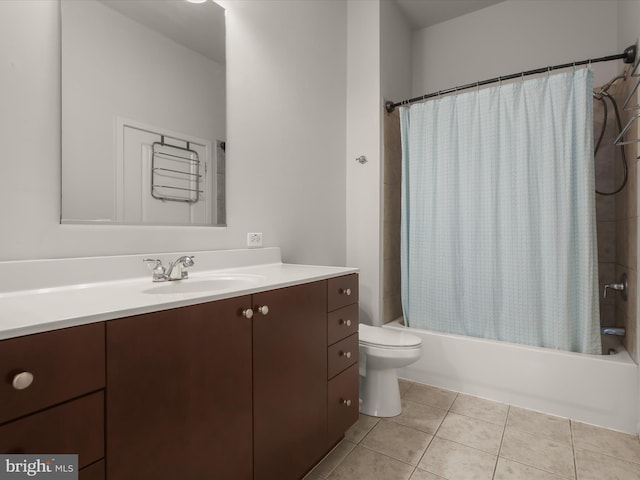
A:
[254,239]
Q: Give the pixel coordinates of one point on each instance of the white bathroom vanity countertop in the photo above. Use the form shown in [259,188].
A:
[54,303]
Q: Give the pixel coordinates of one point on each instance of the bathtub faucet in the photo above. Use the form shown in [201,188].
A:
[176,270]
[617,331]
[622,287]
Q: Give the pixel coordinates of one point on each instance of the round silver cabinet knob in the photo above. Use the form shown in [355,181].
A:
[22,380]
[264,309]
[346,402]
[345,322]
[345,291]
[248,313]
[346,354]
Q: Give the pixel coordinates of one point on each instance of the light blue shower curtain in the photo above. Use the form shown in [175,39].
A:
[498,214]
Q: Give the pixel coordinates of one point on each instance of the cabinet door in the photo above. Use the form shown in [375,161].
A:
[290,381]
[179,394]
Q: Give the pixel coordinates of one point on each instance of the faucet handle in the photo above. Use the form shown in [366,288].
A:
[187,261]
[622,287]
[157,268]
[149,261]
[612,286]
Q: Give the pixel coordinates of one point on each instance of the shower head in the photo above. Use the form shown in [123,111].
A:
[598,92]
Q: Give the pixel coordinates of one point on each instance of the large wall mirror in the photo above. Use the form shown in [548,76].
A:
[143,112]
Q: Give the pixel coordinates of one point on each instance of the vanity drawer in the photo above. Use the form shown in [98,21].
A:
[75,427]
[343,403]
[342,323]
[342,291]
[64,363]
[342,355]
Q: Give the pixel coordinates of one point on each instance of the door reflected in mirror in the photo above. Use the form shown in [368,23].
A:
[143,112]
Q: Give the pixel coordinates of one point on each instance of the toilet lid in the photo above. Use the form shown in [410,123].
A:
[384,337]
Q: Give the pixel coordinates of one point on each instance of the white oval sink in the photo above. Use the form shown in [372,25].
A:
[205,284]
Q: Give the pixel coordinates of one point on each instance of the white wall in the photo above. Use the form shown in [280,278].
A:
[513,36]
[379,66]
[396,47]
[628,22]
[395,57]
[363,138]
[285,131]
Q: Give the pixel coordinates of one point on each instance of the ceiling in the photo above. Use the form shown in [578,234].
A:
[425,13]
[196,26]
[171,17]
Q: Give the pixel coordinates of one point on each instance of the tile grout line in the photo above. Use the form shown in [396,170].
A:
[416,465]
[355,444]
[388,456]
[433,436]
[573,450]
[539,467]
[504,431]
[359,444]
[425,451]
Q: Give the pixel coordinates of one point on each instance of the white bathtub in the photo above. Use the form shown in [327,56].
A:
[596,389]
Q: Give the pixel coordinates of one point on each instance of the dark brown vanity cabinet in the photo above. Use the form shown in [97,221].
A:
[290,380]
[52,395]
[342,354]
[254,387]
[179,401]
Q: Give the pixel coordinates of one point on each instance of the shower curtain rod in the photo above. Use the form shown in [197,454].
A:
[628,56]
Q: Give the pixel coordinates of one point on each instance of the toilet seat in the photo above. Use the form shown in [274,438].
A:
[383,338]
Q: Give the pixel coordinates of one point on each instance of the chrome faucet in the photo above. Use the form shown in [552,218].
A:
[176,270]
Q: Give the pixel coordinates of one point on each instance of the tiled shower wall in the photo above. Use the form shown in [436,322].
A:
[626,225]
[617,219]
[392,307]
[606,181]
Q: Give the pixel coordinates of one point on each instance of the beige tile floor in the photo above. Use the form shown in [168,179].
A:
[447,435]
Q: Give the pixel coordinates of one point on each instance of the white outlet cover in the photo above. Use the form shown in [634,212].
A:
[254,239]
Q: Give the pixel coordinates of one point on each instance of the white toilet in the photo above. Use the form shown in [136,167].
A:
[382,351]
